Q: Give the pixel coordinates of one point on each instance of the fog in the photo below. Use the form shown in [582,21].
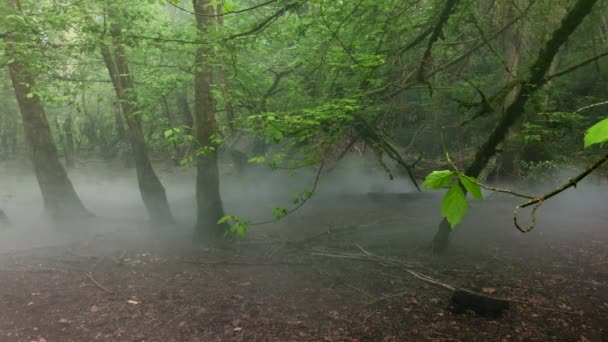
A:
[356,191]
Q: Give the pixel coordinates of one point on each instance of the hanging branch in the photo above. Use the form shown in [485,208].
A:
[538,201]
[370,135]
[302,202]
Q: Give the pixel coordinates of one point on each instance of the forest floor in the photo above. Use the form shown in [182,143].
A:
[329,273]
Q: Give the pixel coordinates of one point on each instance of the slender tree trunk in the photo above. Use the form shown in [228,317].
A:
[118,122]
[4,221]
[187,120]
[538,70]
[209,202]
[171,125]
[60,198]
[68,142]
[152,191]
[186,113]
[4,134]
[90,126]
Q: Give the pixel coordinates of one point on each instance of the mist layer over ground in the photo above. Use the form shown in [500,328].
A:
[300,278]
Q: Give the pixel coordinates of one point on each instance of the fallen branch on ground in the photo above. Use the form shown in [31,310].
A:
[407,267]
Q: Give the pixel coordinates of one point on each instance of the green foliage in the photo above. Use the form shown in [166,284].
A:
[597,134]
[454,205]
[438,179]
[257,160]
[236,225]
[471,185]
[279,213]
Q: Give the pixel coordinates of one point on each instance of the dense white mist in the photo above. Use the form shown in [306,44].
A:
[110,191]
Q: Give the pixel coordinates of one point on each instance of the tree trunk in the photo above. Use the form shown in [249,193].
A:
[90,125]
[120,126]
[60,198]
[4,221]
[68,142]
[171,125]
[230,116]
[209,203]
[152,191]
[538,70]
[187,121]
[4,139]
[510,44]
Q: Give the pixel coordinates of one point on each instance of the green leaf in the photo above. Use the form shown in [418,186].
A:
[279,213]
[257,160]
[471,185]
[454,205]
[597,134]
[438,179]
[237,226]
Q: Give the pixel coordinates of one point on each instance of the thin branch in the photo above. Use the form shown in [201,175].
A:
[474,180]
[222,14]
[591,106]
[314,188]
[264,23]
[538,201]
[576,66]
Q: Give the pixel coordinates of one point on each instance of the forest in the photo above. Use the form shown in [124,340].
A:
[303,170]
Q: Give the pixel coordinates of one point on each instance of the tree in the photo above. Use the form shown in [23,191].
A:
[209,203]
[60,198]
[115,57]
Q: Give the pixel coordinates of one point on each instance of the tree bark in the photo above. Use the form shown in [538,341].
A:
[152,191]
[209,202]
[60,198]
[538,70]
[230,115]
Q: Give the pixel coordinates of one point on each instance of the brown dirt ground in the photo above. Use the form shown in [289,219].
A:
[265,289]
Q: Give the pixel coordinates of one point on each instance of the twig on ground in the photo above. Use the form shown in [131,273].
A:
[363,249]
[96,283]
[339,318]
[381,299]
[239,263]
[275,250]
[360,291]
